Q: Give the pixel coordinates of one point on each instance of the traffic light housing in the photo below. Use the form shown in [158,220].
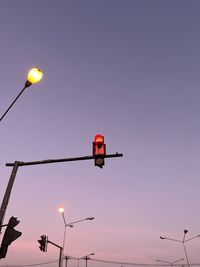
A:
[99,150]
[43,243]
[10,235]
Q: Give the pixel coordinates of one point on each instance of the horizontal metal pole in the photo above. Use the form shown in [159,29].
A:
[50,242]
[47,161]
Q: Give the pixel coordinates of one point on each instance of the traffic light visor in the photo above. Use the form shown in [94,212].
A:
[99,139]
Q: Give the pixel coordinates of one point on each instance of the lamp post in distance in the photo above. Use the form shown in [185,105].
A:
[168,262]
[71,224]
[34,76]
[86,258]
[183,241]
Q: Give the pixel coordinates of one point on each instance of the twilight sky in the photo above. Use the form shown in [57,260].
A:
[130,71]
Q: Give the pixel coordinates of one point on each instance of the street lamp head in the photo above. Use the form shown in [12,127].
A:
[185,231]
[61,210]
[86,257]
[162,237]
[90,218]
[92,254]
[34,76]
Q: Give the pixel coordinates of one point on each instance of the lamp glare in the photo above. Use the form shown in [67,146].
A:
[34,75]
[61,210]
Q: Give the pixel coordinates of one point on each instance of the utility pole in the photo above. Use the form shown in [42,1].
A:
[66,260]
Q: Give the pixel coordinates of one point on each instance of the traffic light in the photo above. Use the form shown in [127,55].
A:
[43,243]
[99,150]
[10,235]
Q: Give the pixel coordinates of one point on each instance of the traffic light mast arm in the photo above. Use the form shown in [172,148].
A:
[16,164]
[21,163]
[54,244]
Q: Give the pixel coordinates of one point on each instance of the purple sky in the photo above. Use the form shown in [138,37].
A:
[130,71]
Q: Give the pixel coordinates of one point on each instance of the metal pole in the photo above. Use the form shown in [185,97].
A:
[66,258]
[8,192]
[12,103]
[60,258]
[86,260]
[64,239]
[64,236]
[63,254]
[186,254]
[21,163]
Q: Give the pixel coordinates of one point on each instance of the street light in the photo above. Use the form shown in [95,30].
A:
[71,224]
[66,259]
[86,258]
[171,263]
[183,242]
[34,76]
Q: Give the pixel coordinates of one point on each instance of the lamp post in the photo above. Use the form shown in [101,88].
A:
[71,224]
[171,263]
[183,241]
[34,76]
[66,260]
[86,258]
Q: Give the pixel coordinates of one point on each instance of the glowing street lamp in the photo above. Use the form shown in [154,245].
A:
[61,210]
[34,76]
[183,242]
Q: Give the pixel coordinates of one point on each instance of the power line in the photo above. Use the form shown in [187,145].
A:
[100,260]
[26,265]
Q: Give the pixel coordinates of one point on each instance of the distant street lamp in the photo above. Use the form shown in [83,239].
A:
[171,263]
[34,76]
[183,242]
[66,260]
[86,258]
[61,210]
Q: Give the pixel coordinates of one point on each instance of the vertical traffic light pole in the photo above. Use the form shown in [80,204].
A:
[8,192]
[60,256]
[43,247]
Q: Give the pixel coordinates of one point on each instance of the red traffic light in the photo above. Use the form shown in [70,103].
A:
[98,145]
[99,150]
[98,138]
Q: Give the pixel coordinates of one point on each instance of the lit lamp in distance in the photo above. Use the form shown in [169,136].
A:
[34,76]
[71,224]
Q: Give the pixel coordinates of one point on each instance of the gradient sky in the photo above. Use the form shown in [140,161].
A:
[130,71]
